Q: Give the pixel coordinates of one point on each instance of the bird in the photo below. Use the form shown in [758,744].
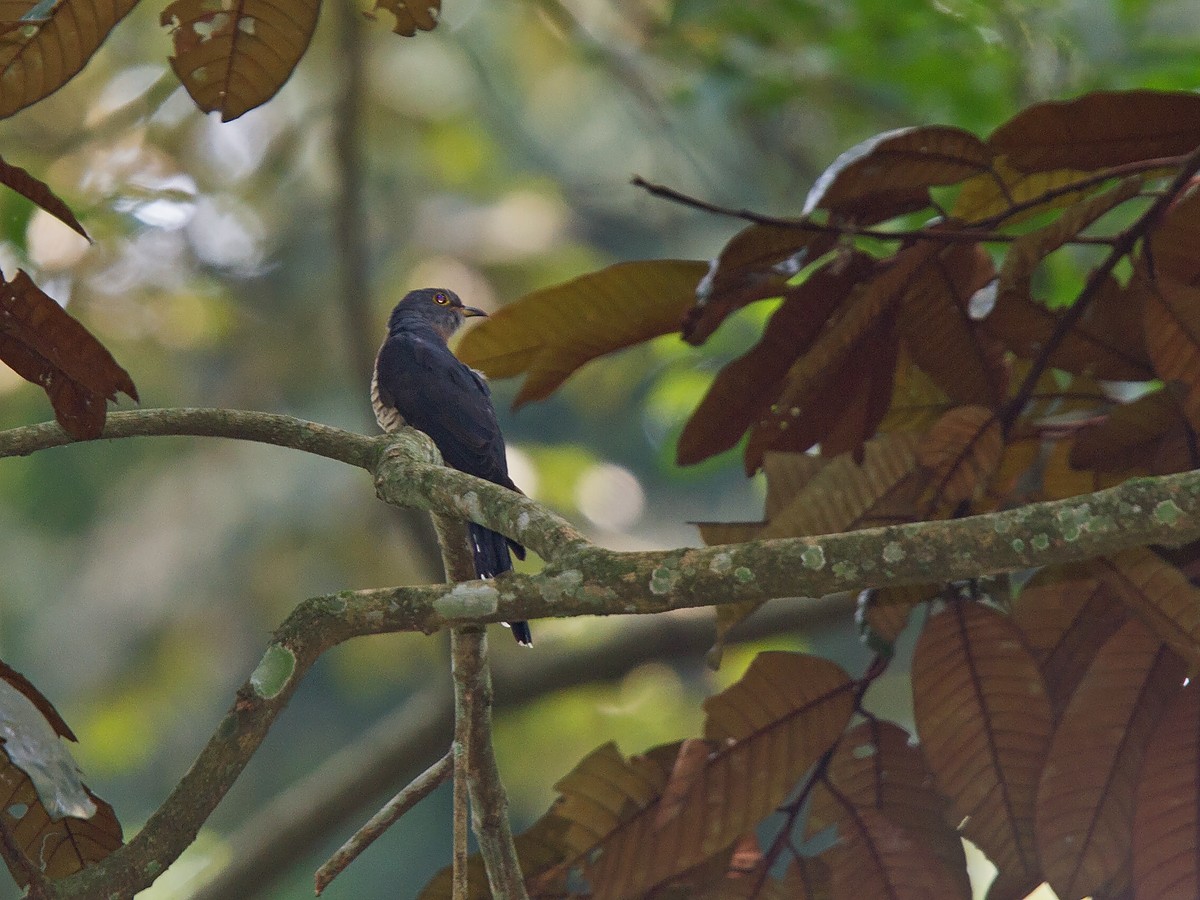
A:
[417,381]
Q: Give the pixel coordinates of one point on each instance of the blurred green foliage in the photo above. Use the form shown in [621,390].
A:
[143,578]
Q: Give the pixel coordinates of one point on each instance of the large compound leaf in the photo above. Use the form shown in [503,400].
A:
[787,709]
[1105,128]
[877,772]
[550,333]
[1066,614]
[1159,594]
[984,720]
[234,55]
[891,173]
[46,49]
[1166,818]
[1084,801]
[45,345]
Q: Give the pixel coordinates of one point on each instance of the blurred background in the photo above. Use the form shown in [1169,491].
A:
[252,265]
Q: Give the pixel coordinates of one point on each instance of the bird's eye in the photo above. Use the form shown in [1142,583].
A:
[440,299]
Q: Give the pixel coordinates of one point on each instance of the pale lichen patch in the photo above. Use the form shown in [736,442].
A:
[470,506]
[564,584]
[468,600]
[721,563]
[663,580]
[813,558]
[522,522]
[845,570]
[1018,545]
[1167,512]
[1040,542]
[742,574]
[893,552]
[273,671]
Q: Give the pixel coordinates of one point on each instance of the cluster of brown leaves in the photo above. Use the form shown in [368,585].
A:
[231,57]
[929,382]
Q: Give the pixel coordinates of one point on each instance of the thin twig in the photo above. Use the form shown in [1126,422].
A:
[416,791]
[460,879]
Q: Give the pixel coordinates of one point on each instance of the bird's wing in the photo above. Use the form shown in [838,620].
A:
[437,394]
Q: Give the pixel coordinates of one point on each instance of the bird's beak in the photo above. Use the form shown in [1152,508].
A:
[470,312]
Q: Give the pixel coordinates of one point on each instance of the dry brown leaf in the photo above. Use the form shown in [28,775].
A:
[45,345]
[745,389]
[1159,594]
[1172,323]
[412,15]
[788,708]
[984,720]
[876,769]
[1066,615]
[1104,128]
[1166,813]
[1085,797]
[38,193]
[1170,249]
[891,173]
[882,614]
[234,58]
[550,333]
[961,451]
[992,196]
[1148,436]
[917,401]
[43,54]
[755,264]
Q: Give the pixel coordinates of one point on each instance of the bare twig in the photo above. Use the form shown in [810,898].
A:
[489,802]
[417,790]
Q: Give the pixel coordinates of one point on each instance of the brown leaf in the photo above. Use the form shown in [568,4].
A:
[45,345]
[744,390]
[755,264]
[1066,615]
[890,174]
[43,54]
[39,194]
[787,708]
[412,15]
[1159,594]
[1085,797]
[984,720]
[58,825]
[550,333]
[940,336]
[1166,816]
[917,401]
[961,451]
[992,196]
[876,769]
[1172,323]
[882,614]
[1104,128]
[1148,436]
[1170,249]
[234,58]
[1106,342]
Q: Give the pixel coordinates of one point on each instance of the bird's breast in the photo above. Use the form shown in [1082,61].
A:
[388,417]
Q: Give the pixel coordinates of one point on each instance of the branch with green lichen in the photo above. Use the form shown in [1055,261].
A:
[579,579]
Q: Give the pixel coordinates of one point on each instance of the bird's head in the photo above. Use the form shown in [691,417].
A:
[437,307]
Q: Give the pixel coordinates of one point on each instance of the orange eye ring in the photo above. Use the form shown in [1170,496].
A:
[441,299]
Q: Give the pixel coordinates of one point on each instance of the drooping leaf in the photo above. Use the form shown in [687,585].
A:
[1085,798]
[44,51]
[38,193]
[236,57]
[1100,129]
[961,451]
[746,387]
[787,708]
[940,335]
[1106,342]
[882,614]
[550,333]
[1066,615]
[45,345]
[1172,323]
[755,264]
[57,824]
[1170,249]
[984,720]
[1159,594]
[917,401]
[1148,436]
[1166,817]
[891,173]
[876,770]
[412,15]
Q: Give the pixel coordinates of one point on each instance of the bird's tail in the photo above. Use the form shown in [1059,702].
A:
[491,552]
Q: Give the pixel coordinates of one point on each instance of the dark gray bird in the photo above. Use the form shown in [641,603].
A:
[419,382]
